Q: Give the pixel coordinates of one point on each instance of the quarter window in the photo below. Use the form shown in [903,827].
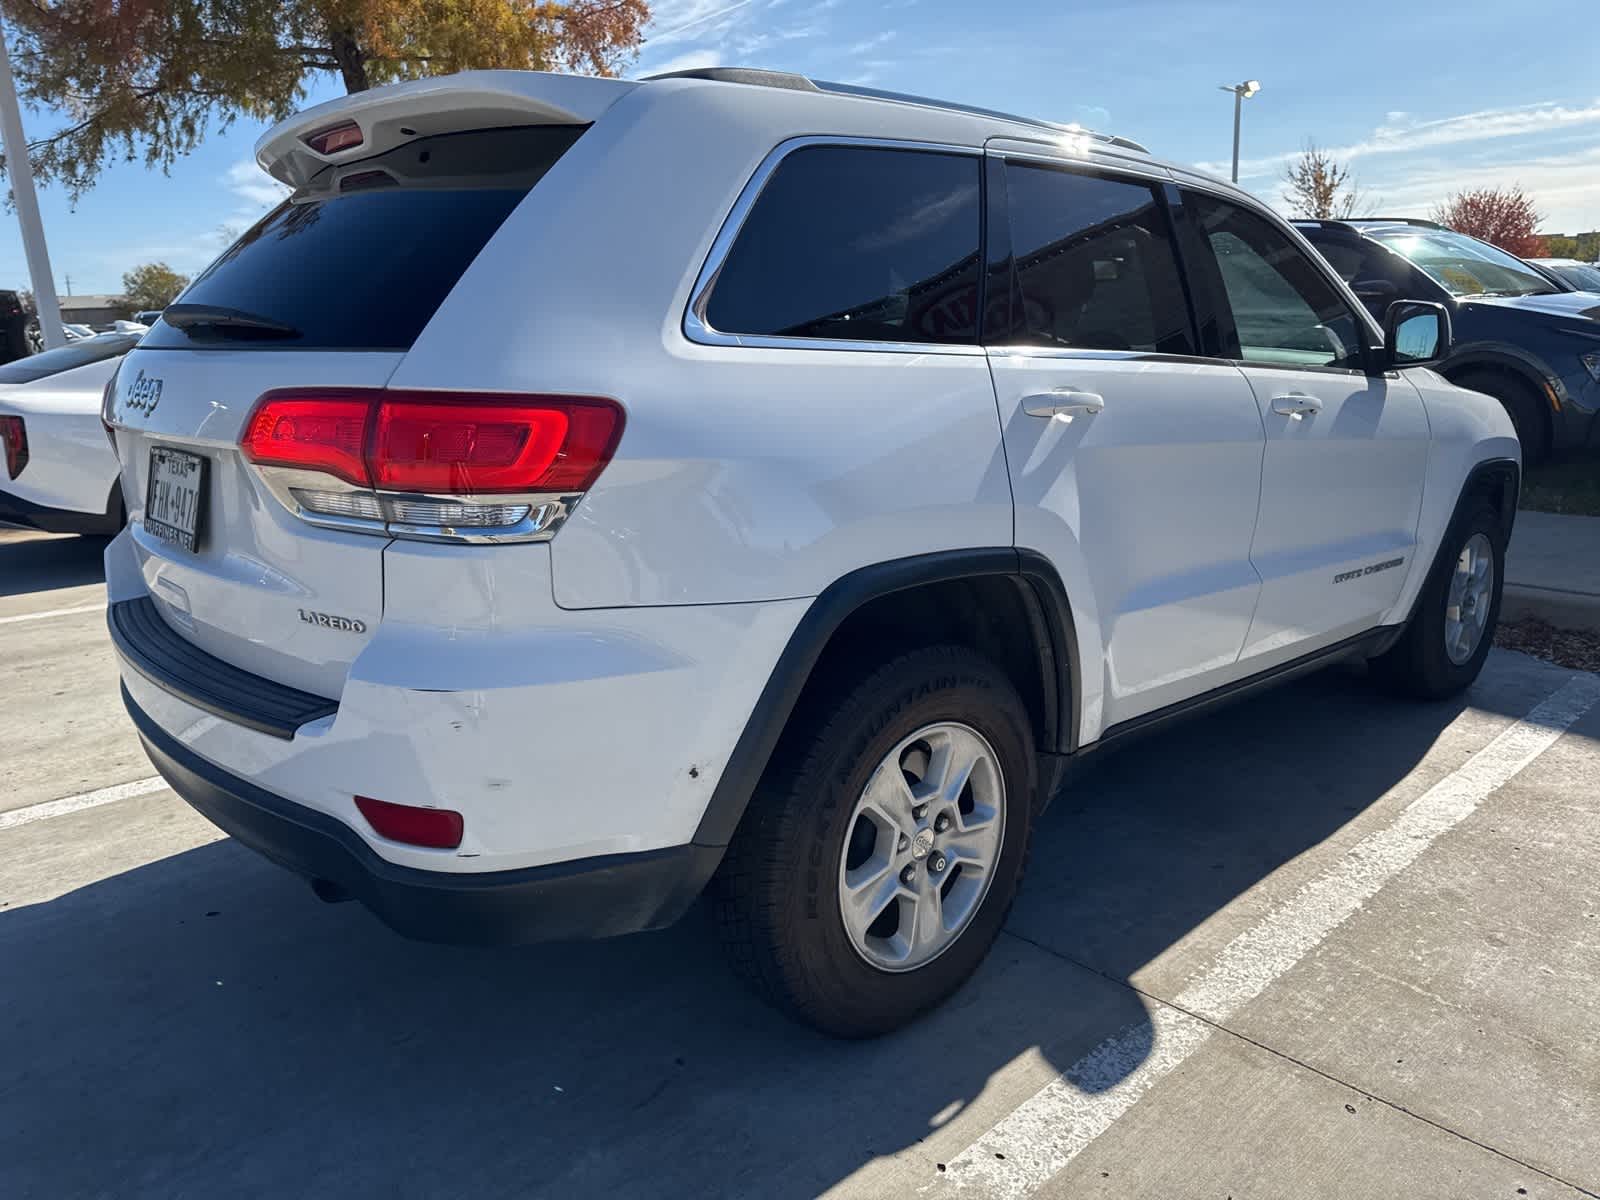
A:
[1094,262]
[1284,309]
[860,244]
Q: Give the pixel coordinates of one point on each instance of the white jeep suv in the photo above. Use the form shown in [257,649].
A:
[582,494]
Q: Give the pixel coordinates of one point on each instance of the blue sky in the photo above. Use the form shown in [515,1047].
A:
[1420,99]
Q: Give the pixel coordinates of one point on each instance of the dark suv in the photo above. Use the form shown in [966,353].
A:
[1521,335]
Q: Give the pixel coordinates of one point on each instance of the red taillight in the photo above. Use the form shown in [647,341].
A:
[335,138]
[14,435]
[319,433]
[108,398]
[468,447]
[436,828]
[458,445]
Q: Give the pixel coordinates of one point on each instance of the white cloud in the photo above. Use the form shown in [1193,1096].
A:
[687,20]
[685,34]
[867,45]
[254,187]
[1400,133]
[1562,186]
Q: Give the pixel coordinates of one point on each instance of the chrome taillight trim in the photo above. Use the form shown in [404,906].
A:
[546,511]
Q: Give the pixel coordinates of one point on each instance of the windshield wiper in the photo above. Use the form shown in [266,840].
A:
[214,316]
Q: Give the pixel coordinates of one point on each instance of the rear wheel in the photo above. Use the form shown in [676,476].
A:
[1449,637]
[883,848]
[1522,402]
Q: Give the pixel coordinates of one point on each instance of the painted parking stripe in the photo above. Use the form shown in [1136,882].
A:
[1047,1131]
[72,804]
[54,612]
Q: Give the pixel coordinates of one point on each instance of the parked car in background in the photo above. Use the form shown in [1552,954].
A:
[59,473]
[852,485]
[1581,275]
[19,328]
[147,316]
[75,332]
[1523,336]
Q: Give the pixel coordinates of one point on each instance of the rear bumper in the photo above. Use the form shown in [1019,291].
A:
[587,898]
[14,510]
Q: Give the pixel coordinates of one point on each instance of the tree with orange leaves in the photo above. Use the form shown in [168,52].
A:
[1506,217]
[147,79]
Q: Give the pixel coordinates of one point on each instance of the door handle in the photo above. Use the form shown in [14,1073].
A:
[1062,402]
[1297,405]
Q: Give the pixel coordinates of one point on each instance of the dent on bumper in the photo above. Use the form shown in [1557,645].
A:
[587,898]
[558,736]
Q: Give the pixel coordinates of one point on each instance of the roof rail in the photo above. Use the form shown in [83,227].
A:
[1419,221]
[799,83]
[869,93]
[750,75]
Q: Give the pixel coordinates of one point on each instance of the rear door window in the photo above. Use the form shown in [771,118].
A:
[859,244]
[1095,264]
[363,255]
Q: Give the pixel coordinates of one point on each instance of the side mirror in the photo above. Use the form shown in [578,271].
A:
[1416,333]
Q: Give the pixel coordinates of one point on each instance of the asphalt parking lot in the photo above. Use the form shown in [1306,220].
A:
[1323,944]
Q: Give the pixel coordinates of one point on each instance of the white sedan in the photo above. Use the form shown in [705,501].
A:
[58,473]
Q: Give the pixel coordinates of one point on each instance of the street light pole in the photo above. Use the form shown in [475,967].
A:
[1238,110]
[1241,93]
[22,193]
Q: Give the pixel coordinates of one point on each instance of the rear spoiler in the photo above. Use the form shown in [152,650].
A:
[390,116]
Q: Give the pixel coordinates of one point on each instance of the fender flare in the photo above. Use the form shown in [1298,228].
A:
[1510,472]
[1500,356]
[1049,615]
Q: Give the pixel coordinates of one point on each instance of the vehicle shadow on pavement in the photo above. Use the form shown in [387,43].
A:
[42,564]
[203,1025]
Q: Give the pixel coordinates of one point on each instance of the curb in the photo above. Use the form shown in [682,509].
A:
[1563,609]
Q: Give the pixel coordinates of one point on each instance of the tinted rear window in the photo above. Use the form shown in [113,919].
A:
[857,244]
[1094,264]
[363,255]
[65,358]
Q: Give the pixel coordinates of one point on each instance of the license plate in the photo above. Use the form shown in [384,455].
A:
[175,499]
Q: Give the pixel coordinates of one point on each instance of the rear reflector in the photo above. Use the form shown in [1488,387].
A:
[335,138]
[14,436]
[436,828]
[438,442]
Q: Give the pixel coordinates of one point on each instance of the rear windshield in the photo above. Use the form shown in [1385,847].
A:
[65,358]
[363,255]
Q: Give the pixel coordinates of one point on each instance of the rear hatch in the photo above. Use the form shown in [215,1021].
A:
[324,294]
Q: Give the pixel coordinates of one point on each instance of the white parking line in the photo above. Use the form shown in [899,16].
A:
[72,804]
[1043,1134]
[54,612]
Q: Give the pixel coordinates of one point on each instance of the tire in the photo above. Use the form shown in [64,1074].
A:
[1521,402]
[779,893]
[1421,664]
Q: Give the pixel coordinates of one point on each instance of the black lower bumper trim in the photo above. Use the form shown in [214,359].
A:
[14,510]
[151,648]
[586,898]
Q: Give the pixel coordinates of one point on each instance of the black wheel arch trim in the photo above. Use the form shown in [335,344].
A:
[1510,484]
[1049,614]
